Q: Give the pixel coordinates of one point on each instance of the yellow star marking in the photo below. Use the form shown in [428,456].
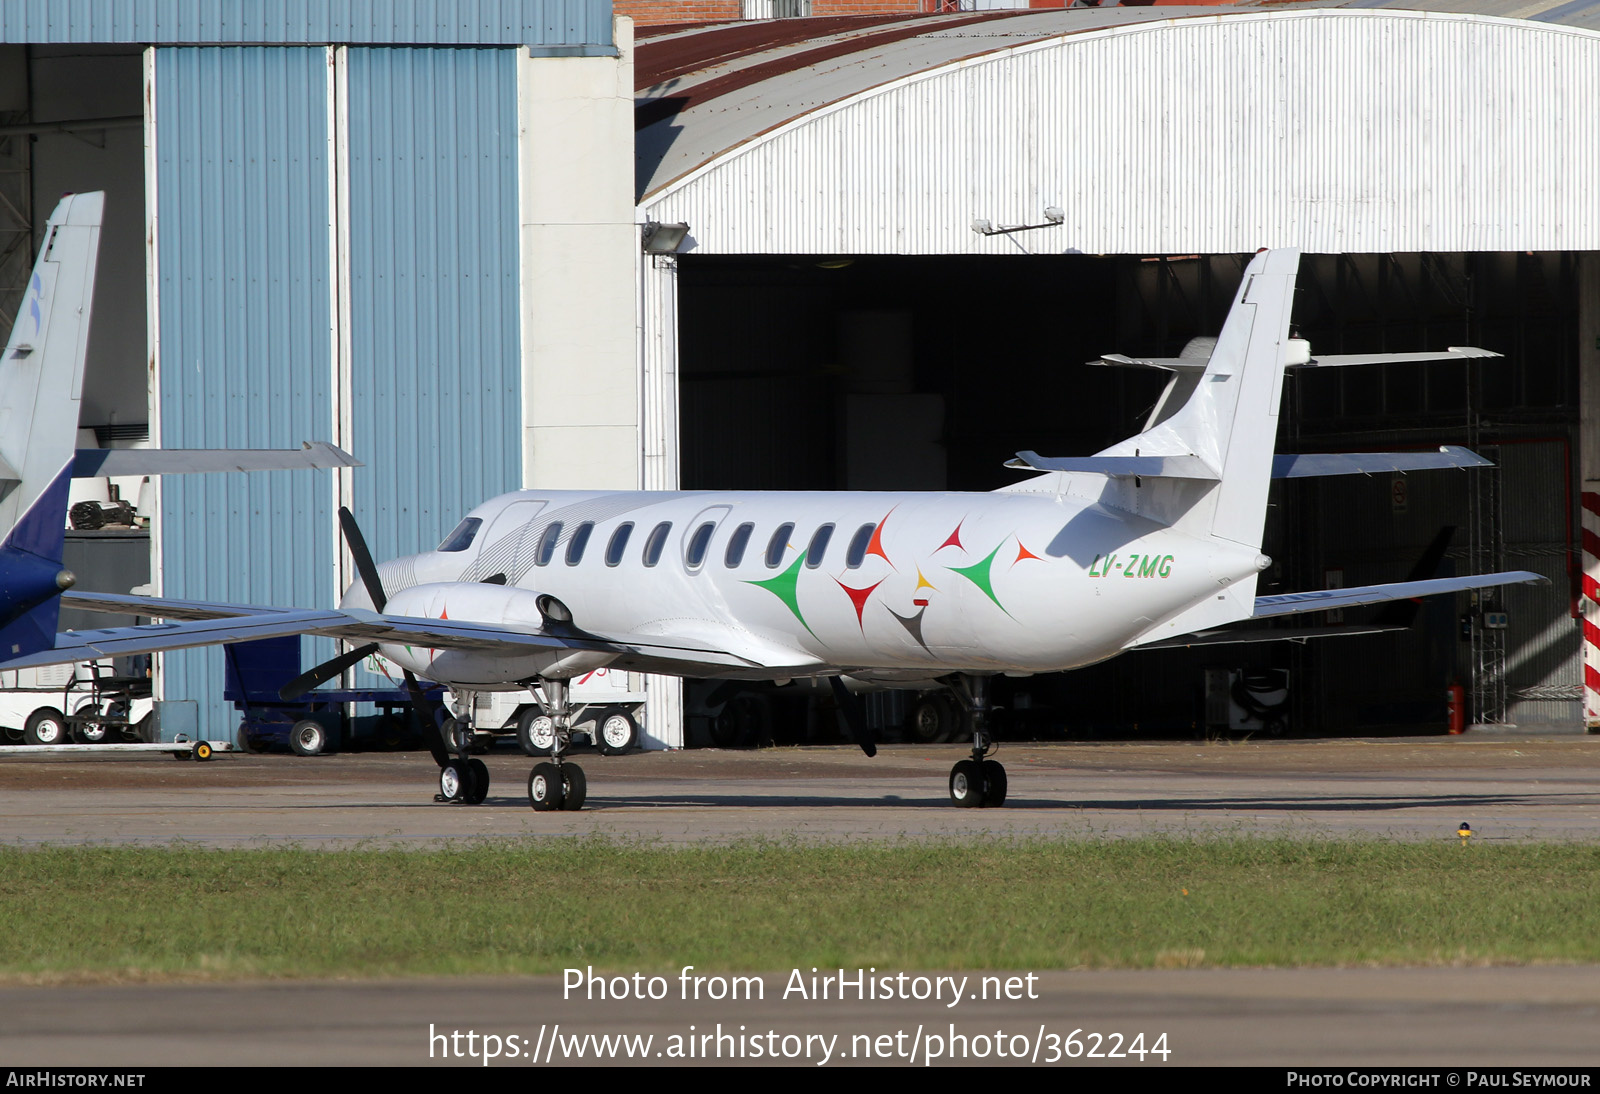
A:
[924,583]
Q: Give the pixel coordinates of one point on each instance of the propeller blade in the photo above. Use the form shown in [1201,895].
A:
[363,559]
[324,672]
[437,745]
[854,716]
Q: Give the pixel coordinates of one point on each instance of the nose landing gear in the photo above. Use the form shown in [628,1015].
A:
[557,784]
[464,779]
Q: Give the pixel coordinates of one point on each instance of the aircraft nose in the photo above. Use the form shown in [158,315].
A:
[355,597]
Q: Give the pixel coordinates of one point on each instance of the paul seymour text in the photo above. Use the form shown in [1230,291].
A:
[815,985]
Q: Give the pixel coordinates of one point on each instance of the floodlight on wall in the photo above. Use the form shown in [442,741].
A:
[1054,216]
[663,239]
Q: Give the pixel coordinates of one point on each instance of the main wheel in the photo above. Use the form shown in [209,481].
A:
[932,720]
[308,737]
[546,790]
[575,787]
[480,781]
[994,783]
[455,782]
[45,726]
[966,784]
[536,732]
[202,751]
[617,733]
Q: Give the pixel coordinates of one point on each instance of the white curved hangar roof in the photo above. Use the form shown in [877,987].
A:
[1151,130]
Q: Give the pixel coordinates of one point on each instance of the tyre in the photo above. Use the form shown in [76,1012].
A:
[994,783]
[480,781]
[546,790]
[575,787]
[966,784]
[455,781]
[202,751]
[308,737]
[90,733]
[536,732]
[45,726]
[932,720]
[617,733]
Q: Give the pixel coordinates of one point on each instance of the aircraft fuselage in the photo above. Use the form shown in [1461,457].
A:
[885,586]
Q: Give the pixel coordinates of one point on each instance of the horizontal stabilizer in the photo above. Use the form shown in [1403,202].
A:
[1340,360]
[93,463]
[1316,465]
[1151,467]
[1325,599]
[1326,360]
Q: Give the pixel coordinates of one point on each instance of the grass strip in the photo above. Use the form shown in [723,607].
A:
[106,914]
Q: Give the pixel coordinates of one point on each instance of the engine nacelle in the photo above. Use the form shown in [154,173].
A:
[496,605]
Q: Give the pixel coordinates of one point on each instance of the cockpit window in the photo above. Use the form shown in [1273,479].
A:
[737,543]
[858,546]
[778,544]
[657,541]
[819,546]
[462,537]
[619,543]
[547,545]
[580,540]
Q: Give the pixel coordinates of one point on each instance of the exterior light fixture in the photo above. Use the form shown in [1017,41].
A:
[663,239]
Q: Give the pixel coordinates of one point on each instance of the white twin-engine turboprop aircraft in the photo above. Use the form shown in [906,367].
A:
[1154,539]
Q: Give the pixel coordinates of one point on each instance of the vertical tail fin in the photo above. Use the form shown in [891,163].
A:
[1230,420]
[41,386]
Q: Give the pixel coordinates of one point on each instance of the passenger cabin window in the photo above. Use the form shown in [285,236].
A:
[736,545]
[547,545]
[778,544]
[656,543]
[618,544]
[462,537]
[696,554]
[858,546]
[819,546]
[580,540]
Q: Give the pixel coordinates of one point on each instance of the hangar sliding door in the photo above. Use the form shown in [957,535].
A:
[433,350]
[243,303]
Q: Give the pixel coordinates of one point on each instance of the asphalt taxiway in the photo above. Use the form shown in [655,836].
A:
[1421,788]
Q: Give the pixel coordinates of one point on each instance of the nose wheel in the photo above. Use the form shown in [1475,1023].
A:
[555,784]
[465,781]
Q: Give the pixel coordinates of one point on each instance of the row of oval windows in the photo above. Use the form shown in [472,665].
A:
[694,554]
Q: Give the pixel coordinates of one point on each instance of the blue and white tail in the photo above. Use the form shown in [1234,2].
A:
[41,386]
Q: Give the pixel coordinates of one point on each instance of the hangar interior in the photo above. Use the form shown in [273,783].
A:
[848,316]
[826,372]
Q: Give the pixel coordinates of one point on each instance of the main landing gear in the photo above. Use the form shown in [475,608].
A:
[465,778]
[979,781]
[557,784]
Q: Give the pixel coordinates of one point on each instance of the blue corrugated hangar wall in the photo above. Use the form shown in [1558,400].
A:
[255,330]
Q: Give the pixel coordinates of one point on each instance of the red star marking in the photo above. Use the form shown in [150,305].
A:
[1023,552]
[875,545]
[858,597]
[954,539]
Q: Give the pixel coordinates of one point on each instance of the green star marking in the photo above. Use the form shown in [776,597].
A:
[978,574]
[786,588]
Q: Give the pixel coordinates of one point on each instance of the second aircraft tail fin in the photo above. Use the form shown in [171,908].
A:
[41,386]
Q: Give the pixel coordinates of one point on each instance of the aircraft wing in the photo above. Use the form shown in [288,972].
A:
[1224,636]
[205,623]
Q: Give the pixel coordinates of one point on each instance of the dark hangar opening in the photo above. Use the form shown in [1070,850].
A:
[895,372]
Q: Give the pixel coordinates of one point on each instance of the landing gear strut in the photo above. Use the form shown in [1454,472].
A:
[466,778]
[979,781]
[557,784]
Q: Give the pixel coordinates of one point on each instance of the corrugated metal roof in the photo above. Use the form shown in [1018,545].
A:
[704,91]
[538,23]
